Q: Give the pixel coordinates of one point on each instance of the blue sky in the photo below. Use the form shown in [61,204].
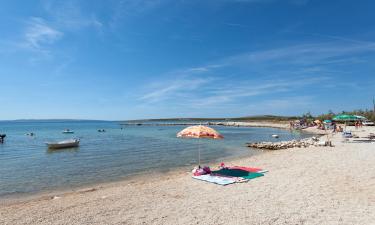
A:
[135,59]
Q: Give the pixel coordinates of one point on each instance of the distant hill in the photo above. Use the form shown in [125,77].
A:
[246,118]
[267,118]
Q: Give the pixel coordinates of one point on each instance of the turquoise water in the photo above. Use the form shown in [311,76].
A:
[27,166]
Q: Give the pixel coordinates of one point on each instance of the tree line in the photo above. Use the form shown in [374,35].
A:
[369,114]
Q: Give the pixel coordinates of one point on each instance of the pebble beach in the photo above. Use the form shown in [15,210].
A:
[308,185]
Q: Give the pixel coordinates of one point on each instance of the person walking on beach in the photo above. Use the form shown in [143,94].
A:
[334,127]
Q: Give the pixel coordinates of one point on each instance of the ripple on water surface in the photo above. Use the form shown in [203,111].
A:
[27,166]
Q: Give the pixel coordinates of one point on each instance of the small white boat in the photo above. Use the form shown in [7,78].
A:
[67,131]
[70,143]
[275,136]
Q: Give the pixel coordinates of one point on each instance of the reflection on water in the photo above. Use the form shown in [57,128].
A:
[71,149]
[28,166]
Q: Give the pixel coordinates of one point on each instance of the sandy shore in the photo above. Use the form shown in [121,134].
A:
[316,185]
[281,125]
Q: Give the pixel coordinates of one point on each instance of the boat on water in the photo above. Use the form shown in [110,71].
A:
[275,136]
[70,143]
[67,131]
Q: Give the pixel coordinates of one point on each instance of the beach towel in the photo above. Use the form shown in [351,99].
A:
[216,179]
[249,169]
[237,173]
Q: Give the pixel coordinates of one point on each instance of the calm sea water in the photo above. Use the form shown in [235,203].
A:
[27,166]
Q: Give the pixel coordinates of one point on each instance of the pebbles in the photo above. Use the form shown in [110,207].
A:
[303,143]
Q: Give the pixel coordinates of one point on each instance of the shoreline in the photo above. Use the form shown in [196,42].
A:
[314,185]
[50,193]
[129,179]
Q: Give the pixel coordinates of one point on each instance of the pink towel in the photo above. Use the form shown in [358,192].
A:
[248,169]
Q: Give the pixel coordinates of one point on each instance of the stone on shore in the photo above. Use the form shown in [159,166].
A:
[303,143]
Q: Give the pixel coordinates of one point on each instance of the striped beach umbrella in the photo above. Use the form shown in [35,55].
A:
[199,132]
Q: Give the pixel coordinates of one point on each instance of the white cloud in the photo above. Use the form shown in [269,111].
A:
[238,25]
[205,68]
[296,2]
[221,94]
[278,71]
[294,105]
[284,103]
[38,34]
[70,15]
[304,54]
[174,89]
[124,9]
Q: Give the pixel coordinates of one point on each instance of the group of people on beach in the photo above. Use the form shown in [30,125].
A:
[336,128]
[300,124]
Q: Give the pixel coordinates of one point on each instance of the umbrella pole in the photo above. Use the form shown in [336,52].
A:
[199,148]
[199,153]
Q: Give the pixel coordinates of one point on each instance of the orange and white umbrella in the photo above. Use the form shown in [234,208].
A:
[199,132]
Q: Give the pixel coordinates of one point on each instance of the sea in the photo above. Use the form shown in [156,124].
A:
[28,167]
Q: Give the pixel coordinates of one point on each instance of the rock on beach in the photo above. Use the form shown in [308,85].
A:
[303,143]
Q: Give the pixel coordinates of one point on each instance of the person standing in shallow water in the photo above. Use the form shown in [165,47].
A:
[2,136]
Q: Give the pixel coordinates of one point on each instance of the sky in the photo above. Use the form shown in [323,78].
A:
[138,59]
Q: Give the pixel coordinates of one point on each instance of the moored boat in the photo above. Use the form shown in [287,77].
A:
[67,131]
[70,143]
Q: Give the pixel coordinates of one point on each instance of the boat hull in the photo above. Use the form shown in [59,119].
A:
[63,145]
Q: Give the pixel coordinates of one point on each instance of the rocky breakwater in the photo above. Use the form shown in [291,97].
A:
[303,143]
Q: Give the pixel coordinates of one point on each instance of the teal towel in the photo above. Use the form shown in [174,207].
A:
[237,173]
